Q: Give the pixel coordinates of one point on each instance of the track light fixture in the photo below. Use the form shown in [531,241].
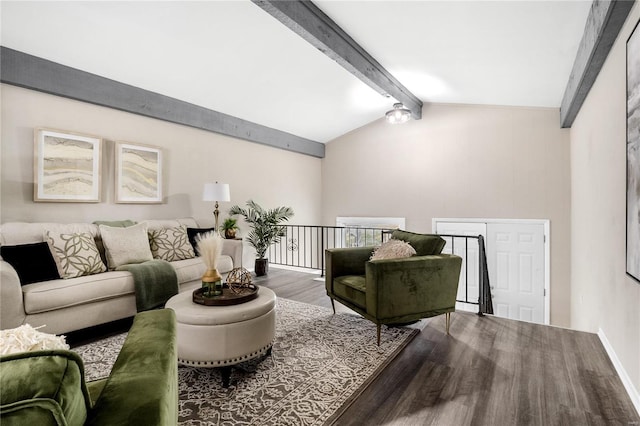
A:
[398,115]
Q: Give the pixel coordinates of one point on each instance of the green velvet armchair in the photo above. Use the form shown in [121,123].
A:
[395,291]
[48,387]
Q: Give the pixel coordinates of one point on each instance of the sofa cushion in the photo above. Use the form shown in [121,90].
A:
[57,294]
[76,254]
[393,249]
[351,288]
[171,244]
[12,233]
[193,269]
[125,245]
[425,244]
[33,262]
[43,387]
[189,269]
[50,295]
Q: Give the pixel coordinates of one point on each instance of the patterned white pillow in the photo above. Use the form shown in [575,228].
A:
[125,245]
[393,249]
[171,244]
[76,254]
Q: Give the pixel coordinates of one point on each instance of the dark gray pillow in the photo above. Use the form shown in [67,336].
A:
[425,244]
[192,233]
[33,262]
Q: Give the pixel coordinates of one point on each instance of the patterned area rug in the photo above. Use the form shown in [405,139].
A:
[319,363]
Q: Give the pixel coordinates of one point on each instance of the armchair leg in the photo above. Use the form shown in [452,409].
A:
[447,317]
[378,331]
[333,305]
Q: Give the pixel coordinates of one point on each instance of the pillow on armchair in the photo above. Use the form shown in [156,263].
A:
[393,249]
[425,244]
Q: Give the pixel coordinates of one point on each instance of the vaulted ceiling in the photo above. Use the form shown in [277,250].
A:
[233,57]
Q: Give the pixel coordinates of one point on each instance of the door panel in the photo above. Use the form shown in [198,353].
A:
[515,259]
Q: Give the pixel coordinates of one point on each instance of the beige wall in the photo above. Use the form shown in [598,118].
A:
[604,297]
[459,161]
[270,176]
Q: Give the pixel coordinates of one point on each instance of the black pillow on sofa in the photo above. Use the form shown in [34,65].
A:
[192,233]
[33,262]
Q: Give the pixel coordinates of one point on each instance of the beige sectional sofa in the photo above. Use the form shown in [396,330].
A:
[65,305]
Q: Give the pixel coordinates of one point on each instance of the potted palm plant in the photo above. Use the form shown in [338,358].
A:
[265,229]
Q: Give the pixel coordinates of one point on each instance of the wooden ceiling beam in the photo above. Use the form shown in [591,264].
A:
[309,22]
[31,72]
[604,22]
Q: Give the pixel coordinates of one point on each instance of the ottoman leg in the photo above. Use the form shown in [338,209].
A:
[226,376]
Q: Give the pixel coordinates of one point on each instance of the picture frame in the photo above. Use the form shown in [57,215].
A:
[67,166]
[138,174]
[633,156]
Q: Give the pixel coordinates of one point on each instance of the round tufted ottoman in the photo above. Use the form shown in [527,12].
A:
[221,336]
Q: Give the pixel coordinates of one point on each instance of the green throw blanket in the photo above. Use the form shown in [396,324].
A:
[155,282]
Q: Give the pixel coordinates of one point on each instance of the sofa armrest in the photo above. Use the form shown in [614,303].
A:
[345,261]
[143,385]
[233,248]
[397,288]
[12,312]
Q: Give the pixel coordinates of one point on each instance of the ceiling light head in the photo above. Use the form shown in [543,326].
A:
[398,115]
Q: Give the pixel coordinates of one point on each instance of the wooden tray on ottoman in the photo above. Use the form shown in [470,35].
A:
[228,296]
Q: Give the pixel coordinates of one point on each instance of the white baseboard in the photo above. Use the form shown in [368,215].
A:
[468,307]
[626,381]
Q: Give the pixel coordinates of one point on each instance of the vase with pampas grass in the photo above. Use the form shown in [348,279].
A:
[210,247]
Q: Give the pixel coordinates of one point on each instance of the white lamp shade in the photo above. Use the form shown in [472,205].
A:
[216,192]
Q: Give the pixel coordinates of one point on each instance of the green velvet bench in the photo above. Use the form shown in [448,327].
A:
[395,291]
[48,387]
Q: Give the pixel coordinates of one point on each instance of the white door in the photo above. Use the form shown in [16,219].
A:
[515,260]
[467,249]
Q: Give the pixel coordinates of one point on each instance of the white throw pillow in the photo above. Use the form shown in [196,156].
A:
[76,254]
[125,245]
[393,249]
[26,339]
[171,244]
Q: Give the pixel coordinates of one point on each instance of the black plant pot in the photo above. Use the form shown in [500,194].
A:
[261,267]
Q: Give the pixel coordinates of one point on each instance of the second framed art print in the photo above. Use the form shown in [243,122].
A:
[138,174]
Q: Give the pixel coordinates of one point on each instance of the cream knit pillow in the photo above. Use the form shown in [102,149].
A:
[393,249]
[125,245]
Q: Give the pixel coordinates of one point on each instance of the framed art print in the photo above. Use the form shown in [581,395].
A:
[66,167]
[138,177]
[633,154]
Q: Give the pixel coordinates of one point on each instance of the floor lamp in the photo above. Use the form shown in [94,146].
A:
[216,192]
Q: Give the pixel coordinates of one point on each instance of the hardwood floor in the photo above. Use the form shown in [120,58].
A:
[488,371]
